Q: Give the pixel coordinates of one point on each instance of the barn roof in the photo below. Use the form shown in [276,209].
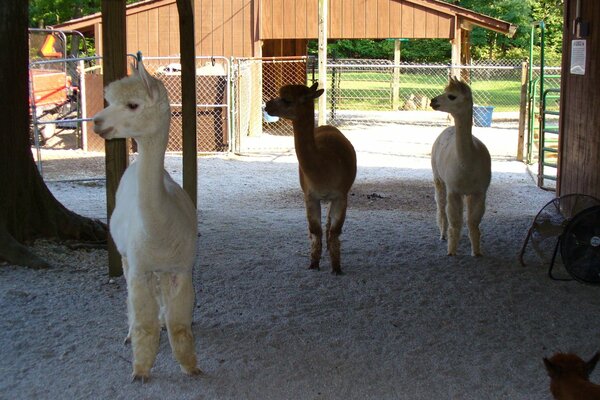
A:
[467,17]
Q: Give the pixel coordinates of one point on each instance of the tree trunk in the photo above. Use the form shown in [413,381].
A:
[28,210]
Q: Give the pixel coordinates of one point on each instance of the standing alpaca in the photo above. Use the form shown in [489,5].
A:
[327,164]
[153,225]
[570,377]
[461,167]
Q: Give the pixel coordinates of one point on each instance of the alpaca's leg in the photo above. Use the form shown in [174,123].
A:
[335,221]
[129,312]
[440,200]
[145,330]
[177,292]
[454,210]
[313,214]
[475,211]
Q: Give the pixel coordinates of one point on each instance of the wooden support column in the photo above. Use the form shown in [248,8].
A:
[396,82]
[456,48]
[114,60]
[522,111]
[323,61]
[187,48]
[465,53]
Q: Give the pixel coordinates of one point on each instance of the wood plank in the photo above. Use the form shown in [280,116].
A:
[289,18]
[312,19]
[142,33]
[371,19]
[206,27]
[335,19]
[163,32]
[445,26]
[217,34]
[174,30]
[301,21]
[359,28]
[408,30]
[152,32]
[383,10]
[132,34]
[431,28]
[267,19]
[419,22]
[227,28]
[238,27]
[248,42]
[395,20]
[277,17]
[347,19]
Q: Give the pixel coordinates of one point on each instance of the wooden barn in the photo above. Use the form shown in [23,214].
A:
[579,132]
[272,28]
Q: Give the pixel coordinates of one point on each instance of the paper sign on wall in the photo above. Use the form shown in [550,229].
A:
[578,57]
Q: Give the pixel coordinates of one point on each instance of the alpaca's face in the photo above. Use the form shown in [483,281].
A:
[136,108]
[456,98]
[292,99]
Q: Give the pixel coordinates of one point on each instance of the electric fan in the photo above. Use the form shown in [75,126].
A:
[571,223]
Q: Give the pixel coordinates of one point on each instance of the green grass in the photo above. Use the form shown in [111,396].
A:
[370,91]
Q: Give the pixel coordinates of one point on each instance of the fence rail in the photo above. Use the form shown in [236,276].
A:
[231,94]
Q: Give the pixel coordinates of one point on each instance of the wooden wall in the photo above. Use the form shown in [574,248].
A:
[579,170]
[223,28]
[354,19]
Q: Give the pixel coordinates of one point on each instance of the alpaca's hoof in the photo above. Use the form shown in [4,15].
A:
[314,265]
[451,254]
[192,371]
[442,238]
[336,271]
[127,340]
[140,375]
[477,254]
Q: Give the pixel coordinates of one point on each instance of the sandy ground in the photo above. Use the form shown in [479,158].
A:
[404,322]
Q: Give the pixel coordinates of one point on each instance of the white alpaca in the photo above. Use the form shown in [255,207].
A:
[461,167]
[154,224]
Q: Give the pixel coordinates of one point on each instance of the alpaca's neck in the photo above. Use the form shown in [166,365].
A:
[150,175]
[304,138]
[463,125]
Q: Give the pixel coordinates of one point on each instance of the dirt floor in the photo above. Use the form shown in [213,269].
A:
[405,321]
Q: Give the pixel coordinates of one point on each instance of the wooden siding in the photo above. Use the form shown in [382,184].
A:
[579,170]
[354,19]
[222,28]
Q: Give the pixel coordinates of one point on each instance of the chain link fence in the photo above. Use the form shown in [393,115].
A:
[231,94]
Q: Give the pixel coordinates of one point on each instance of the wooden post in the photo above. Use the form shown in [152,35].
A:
[323,61]
[522,111]
[115,67]
[396,82]
[456,48]
[465,54]
[187,47]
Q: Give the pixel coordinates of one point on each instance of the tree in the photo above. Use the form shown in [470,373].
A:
[28,210]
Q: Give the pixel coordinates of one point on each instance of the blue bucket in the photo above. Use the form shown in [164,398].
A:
[482,116]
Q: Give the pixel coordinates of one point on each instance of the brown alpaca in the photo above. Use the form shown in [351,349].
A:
[327,162]
[570,377]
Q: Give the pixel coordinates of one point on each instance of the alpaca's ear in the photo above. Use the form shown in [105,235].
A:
[318,93]
[590,365]
[314,86]
[148,81]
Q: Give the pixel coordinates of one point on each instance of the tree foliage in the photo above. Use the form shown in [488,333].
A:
[50,12]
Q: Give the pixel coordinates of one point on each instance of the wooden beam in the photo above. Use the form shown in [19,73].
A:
[323,61]
[188,97]
[114,67]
